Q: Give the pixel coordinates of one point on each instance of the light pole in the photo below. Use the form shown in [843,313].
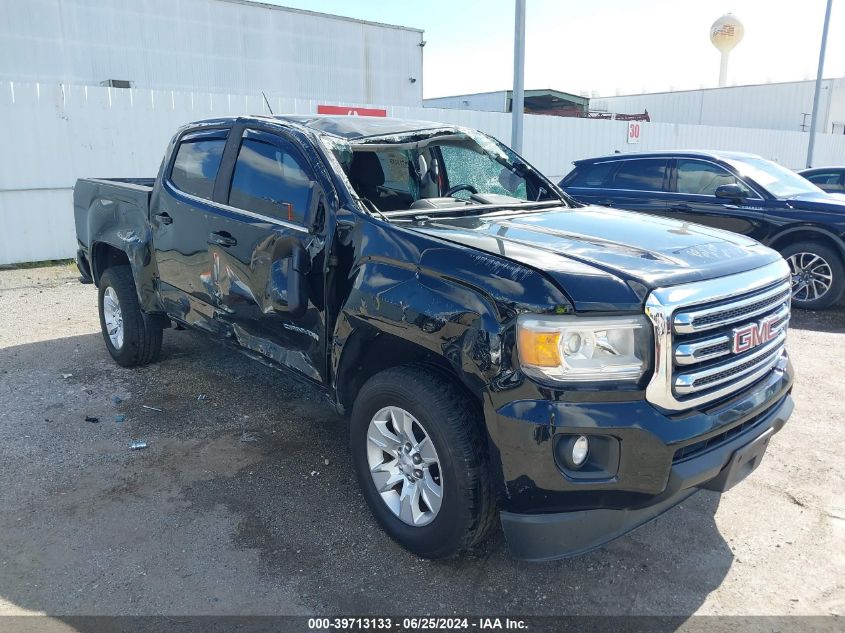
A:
[518,97]
[813,121]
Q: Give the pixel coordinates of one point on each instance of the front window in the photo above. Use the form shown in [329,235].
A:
[702,178]
[443,168]
[272,179]
[779,181]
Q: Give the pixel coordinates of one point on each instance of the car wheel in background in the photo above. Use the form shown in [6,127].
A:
[818,275]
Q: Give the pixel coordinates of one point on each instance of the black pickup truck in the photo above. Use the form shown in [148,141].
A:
[502,350]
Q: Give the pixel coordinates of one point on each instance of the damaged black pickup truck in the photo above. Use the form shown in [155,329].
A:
[503,351]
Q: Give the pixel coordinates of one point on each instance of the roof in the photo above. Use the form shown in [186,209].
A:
[544,98]
[673,92]
[816,170]
[550,96]
[683,153]
[276,7]
[348,127]
[357,127]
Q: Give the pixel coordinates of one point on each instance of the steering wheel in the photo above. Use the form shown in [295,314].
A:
[463,187]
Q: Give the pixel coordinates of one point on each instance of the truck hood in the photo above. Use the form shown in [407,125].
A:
[605,259]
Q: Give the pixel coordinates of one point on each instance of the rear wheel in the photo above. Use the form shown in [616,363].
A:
[419,454]
[130,338]
[818,275]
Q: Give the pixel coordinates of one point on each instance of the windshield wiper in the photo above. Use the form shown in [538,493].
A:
[475,209]
[369,204]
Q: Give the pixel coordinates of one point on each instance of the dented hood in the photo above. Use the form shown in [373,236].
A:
[606,258]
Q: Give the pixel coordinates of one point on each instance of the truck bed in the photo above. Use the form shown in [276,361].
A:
[101,206]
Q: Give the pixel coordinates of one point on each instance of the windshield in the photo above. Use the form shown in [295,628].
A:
[437,169]
[779,181]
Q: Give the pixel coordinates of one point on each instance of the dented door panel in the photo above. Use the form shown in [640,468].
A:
[249,283]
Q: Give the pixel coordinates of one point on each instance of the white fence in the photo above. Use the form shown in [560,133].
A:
[54,134]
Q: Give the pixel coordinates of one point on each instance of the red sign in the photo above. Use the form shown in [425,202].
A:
[350,110]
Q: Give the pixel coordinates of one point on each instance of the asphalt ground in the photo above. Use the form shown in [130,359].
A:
[245,502]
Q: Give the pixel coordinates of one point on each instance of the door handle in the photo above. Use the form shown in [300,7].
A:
[222,238]
[681,207]
[605,203]
[163,218]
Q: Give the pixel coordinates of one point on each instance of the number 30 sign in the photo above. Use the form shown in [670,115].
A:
[634,131]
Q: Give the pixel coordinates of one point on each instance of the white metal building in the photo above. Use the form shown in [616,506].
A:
[232,46]
[502,101]
[776,106]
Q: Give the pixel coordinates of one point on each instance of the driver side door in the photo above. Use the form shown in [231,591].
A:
[264,253]
[692,198]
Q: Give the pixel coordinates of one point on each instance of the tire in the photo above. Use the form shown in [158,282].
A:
[140,343]
[823,273]
[467,509]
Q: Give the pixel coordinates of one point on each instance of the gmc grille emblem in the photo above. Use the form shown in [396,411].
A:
[750,336]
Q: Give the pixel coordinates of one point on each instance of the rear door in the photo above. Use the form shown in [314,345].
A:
[693,198]
[269,202]
[588,182]
[639,184]
[179,211]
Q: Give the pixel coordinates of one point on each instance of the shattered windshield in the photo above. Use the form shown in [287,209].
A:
[437,169]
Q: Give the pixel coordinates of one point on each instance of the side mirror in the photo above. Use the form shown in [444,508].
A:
[731,192]
[298,287]
[287,285]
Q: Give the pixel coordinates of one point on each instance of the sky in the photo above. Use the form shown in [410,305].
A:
[609,46]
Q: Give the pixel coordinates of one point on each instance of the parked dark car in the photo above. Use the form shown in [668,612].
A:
[737,192]
[829,179]
[503,351]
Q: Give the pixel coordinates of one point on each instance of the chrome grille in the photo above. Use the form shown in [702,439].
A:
[695,327]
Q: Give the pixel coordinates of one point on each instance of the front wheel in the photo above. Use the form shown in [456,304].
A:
[818,275]
[130,338]
[419,453]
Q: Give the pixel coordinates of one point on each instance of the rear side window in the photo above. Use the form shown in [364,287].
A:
[594,175]
[701,178]
[196,165]
[272,178]
[641,175]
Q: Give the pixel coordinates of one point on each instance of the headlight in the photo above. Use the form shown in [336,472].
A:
[578,349]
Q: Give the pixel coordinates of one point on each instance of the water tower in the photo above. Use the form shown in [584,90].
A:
[725,34]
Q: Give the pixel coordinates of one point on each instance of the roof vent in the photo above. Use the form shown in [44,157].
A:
[116,83]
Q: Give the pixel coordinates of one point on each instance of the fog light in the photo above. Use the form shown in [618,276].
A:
[580,449]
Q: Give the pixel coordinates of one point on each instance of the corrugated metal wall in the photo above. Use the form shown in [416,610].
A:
[209,45]
[771,106]
[55,134]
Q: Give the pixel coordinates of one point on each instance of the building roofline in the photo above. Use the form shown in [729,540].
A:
[674,92]
[276,7]
[509,94]
[469,94]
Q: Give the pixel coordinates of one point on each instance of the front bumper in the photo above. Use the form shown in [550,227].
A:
[661,461]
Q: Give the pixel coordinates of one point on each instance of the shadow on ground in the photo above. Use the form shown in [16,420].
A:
[245,503]
[830,321]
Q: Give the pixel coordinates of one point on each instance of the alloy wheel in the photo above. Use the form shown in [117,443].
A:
[113,316]
[811,276]
[404,466]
